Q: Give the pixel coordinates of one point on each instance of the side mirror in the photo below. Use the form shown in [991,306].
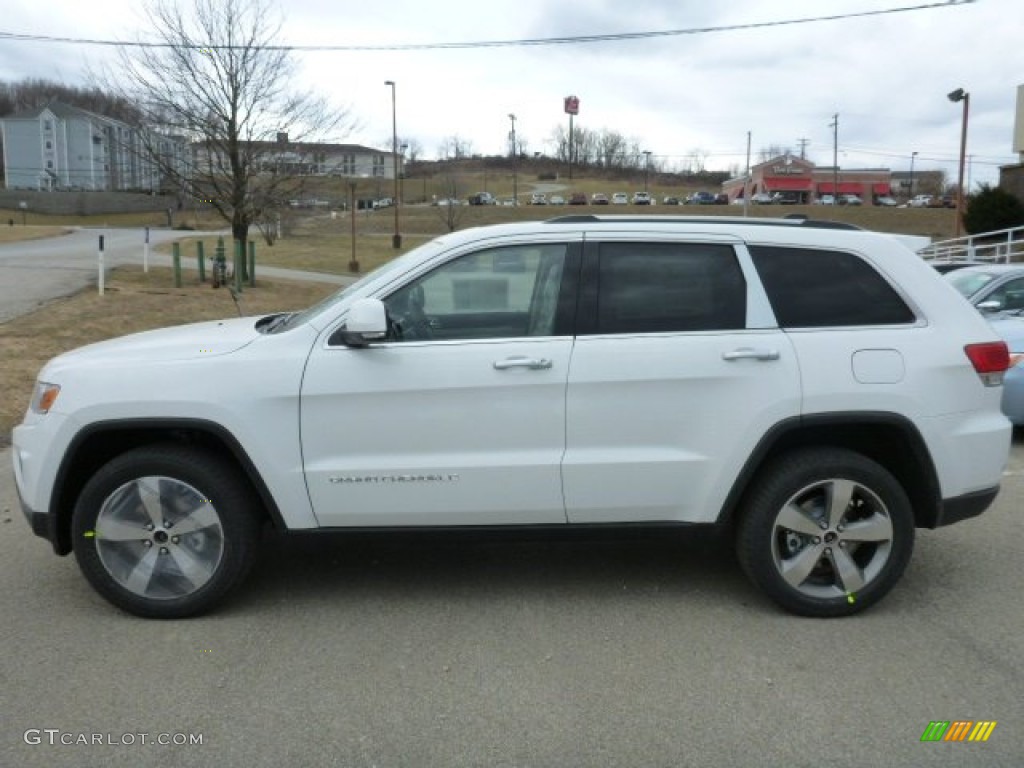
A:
[990,306]
[367,322]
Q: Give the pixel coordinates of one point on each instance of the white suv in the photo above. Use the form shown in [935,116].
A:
[816,389]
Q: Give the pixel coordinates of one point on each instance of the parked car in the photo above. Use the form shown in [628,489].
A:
[620,198]
[1010,327]
[812,390]
[483,198]
[641,198]
[446,201]
[825,200]
[850,200]
[538,198]
[577,198]
[886,201]
[721,199]
[761,198]
[670,200]
[701,198]
[991,288]
[556,200]
[942,266]
[920,201]
[599,198]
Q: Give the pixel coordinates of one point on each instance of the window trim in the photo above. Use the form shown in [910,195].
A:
[565,313]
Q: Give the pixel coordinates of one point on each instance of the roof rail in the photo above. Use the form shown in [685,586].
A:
[590,218]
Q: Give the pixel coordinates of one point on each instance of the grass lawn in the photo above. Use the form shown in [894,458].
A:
[319,243]
[187,218]
[19,234]
[134,301]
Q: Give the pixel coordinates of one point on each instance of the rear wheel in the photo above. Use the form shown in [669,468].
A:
[165,531]
[826,532]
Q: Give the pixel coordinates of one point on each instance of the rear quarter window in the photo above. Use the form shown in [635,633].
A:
[813,288]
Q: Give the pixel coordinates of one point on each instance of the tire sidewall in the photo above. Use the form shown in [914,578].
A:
[208,474]
[777,486]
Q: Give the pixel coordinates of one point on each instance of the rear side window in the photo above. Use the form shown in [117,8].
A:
[811,288]
[660,287]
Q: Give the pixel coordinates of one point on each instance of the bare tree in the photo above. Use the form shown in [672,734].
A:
[772,151]
[696,160]
[214,75]
[413,148]
[450,208]
[454,148]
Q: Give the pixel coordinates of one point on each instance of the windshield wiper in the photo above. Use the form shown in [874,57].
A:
[271,322]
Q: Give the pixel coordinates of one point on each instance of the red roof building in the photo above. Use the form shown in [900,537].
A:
[801,181]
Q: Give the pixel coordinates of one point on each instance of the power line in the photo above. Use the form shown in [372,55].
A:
[522,42]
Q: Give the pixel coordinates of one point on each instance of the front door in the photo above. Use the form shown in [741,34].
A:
[459,417]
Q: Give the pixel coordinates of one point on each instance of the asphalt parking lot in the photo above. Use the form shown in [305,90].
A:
[480,651]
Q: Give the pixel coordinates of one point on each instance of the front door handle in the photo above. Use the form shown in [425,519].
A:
[749,353]
[533,363]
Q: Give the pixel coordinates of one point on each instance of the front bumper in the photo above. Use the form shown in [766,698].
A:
[42,523]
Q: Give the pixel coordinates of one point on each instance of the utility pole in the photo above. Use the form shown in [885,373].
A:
[396,239]
[803,147]
[746,180]
[515,163]
[834,125]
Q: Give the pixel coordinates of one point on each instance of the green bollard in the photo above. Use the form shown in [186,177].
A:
[239,264]
[201,260]
[219,266]
[252,264]
[176,251]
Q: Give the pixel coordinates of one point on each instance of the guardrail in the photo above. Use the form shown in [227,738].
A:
[1000,246]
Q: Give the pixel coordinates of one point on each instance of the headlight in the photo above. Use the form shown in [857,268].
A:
[44,396]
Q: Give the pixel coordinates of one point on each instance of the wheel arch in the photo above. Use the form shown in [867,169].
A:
[889,439]
[100,442]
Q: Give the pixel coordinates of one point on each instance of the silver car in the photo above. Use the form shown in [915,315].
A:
[991,288]
[997,290]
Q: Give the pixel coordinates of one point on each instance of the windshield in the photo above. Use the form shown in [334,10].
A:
[394,265]
[969,282]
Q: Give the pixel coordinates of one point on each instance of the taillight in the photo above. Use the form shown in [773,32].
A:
[990,361]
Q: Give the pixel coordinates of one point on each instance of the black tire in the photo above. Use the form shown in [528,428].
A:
[819,559]
[166,531]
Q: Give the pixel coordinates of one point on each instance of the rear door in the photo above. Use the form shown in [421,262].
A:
[677,371]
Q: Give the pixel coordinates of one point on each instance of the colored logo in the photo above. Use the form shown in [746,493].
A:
[958,730]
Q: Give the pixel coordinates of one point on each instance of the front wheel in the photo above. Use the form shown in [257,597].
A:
[826,532]
[165,531]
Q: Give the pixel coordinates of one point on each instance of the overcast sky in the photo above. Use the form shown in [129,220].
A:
[886,76]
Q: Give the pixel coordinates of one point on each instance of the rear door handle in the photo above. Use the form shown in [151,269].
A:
[533,363]
[749,353]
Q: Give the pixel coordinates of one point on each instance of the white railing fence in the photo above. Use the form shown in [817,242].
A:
[1001,246]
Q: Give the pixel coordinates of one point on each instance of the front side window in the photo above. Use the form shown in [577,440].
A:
[665,287]
[813,288]
[497,293]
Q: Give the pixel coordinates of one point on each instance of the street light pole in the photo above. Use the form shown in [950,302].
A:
[647,167]
[515,163]
[396,240]
[961,95]
[910,196]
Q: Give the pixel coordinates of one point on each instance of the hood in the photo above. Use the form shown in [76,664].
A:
[184,342]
